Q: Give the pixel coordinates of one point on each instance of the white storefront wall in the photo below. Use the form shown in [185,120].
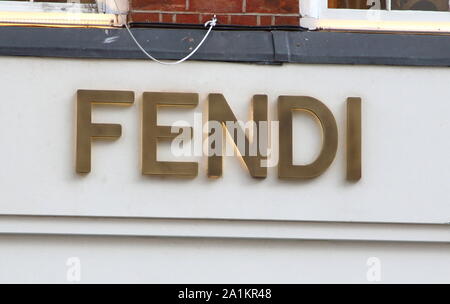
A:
[121,226]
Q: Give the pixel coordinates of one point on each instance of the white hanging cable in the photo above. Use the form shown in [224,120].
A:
[211,23]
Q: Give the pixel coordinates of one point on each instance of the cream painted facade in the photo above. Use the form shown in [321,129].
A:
[121,226]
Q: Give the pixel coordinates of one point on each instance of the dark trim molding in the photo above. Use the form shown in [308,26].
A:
[251,46]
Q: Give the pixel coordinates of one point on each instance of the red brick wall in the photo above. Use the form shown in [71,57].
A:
[236,12]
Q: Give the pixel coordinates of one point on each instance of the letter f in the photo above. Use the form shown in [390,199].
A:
[86,130]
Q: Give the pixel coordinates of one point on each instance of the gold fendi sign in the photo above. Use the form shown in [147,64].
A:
[220,113]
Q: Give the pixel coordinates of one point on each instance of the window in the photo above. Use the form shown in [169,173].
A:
[381,15]
[85,13]
[406,5]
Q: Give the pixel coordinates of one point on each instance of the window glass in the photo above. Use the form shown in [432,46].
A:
[421,5]
[418,5]
[357,4]
[55,1]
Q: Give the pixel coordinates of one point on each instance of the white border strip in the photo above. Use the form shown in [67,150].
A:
[52,18]
[205,228]
[375,25]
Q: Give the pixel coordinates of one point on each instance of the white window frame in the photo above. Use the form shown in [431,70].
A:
[30,6]
[103,13]
[316,15]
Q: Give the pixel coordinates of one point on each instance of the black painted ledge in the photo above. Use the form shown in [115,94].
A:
[249,46]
